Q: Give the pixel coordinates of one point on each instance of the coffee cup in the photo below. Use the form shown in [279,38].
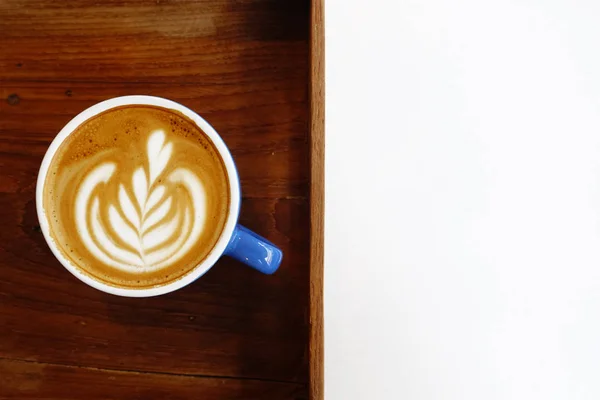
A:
[139,196]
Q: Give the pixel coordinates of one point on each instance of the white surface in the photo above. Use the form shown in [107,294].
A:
[463,200]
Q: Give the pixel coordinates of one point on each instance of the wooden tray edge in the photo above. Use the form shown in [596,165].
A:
[317,197]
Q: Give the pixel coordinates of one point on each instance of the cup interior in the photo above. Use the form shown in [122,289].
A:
[234,191]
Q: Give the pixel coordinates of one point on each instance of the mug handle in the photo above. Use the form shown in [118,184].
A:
[253,250]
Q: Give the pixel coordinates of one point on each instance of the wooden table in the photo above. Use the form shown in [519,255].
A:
[234,334]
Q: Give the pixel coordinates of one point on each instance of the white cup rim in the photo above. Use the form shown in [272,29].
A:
[234,187]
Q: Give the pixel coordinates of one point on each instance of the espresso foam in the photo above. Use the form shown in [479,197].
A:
[136,197]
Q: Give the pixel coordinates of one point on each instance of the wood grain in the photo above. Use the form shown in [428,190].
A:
[23,380]
[232,322]
[234,334]
[264,125]
[186,41]
[317,200]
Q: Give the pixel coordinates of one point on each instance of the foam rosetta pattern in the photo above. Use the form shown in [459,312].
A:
[156,218]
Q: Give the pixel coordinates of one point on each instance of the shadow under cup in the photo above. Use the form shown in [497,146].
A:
[234,240]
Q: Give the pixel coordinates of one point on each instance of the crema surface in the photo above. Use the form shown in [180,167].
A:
[136,197]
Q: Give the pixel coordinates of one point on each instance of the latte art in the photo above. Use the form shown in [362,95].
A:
[149,231]
[139,196]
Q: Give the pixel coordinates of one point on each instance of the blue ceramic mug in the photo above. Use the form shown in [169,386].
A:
[235,241]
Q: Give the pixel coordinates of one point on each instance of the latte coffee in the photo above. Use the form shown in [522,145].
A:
[136,196]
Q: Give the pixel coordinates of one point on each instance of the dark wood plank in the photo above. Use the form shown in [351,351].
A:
[25,380]
[317,201]
[244,66]
[206,42]
[231,322]
[264,125]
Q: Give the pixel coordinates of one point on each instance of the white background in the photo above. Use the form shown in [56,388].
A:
[463,199]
